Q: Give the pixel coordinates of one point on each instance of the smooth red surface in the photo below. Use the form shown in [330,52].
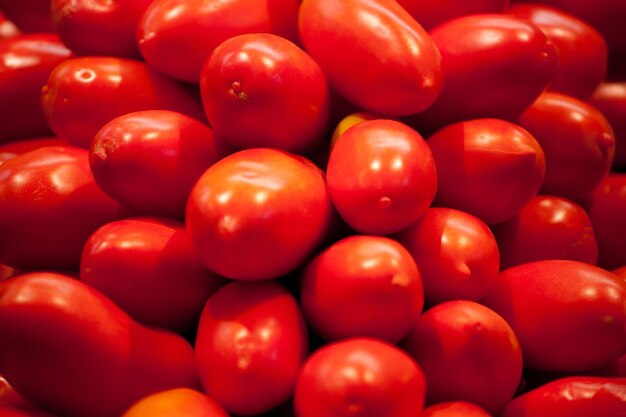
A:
[10,150]
[250,346]
[7,28]
[29,15]
[610,99]
[430,13]
[455,409]
[8,396]
[6,411]
[179,402]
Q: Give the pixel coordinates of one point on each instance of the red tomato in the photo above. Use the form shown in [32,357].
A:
[547,227]
[569,316]
[430,13]
[106,28]
[487,167]
[83,94]
[25,65]
[610,99]
[621,272]
[7,28]
[12,149]
[251,343]
[6,411]
[577,140]
[362,286]
[29,15]
[179,402]
[8,396]
[258,214]
[578,396]
[455,409]
[468,353]
[360,376]
[381,176]
[69,349]
[150,160]
[379,57]
[49,205]
[177,36]
[456,254]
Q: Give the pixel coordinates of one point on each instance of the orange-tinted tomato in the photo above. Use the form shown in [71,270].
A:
[179,402]
[455,409]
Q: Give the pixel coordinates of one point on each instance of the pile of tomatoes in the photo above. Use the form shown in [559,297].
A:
[312,208]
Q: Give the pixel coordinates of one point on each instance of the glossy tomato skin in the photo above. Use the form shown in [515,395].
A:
[29,15]
[10,150]
[468,353]
[577,396]
[610,99]
[258,214]
[456,253]
[489,168]
[26,62]
[430,13]
[382,60]
[251,343]
[455,409]
[107,360]
[254,94]
[106,28]
[83,94]
[580,307]
[8,396]
[49,205]
[548,227]
[177,36]
[7,28]
[381,176]
[150,160]
[181,402]
[359,375]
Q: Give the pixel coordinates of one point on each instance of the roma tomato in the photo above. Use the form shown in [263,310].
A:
[7,28]
[250,346]
[83,94]
[381,176]
[430,13]
[468,353]
[91,359]
[10,150]
[29,15]
[254,94]
[179,402]
[487,167]
[360,376]
[455,409]
[455,252]
[610,99]
[177,36]
[381,59]
[580,307]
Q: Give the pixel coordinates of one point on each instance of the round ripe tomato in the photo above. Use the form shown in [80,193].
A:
[455,252]
[360,376]
[455,409]
[177,36]
[29,15]
[581,310]
[10,150]
[7,28]
[577,140]
[83,94]
[468,353]
[179,402]
[381,176]
[254,94]
[487,167]
[430,13]
[547,227]
[362,286]
[610,99]
[251,343]
[258,214]
[49,205]
[150,160]
[25,65]
[381,59]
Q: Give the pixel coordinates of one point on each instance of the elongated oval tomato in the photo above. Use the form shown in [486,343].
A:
[610,99]
[179,402]
[430,13]
[250,346]
[455,409]
[381,59]
[90,358]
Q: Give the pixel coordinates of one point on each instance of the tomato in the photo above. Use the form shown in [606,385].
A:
[381,176]
[181,402]
[177,36]
[468,353]
[381,59]
[610,99]
[6,411]
[90,358]
[250,346]
[29,15]
[455,409]
[25,64]
[430,13]
[578,396]
[258,214]
[8,396]
[359,376]
[10,150]
[547,227]
[253,95]
[150,160]
[581,308]
[456,254]
[489,168]
[621,272]
[7,28]
[83,94]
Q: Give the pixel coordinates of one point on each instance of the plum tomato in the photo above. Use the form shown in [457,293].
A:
[32,16]
[610,99]
[10,150]
[468,353]
[487,167]
[7,28]
[430,13]
[381,176]
[381,59]
[179,402]
[569,316]
[455,252]
[360,376]
[251,343]
[455,409]
[262,90]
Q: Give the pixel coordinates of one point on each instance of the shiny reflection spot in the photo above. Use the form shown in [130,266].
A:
[85,75]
